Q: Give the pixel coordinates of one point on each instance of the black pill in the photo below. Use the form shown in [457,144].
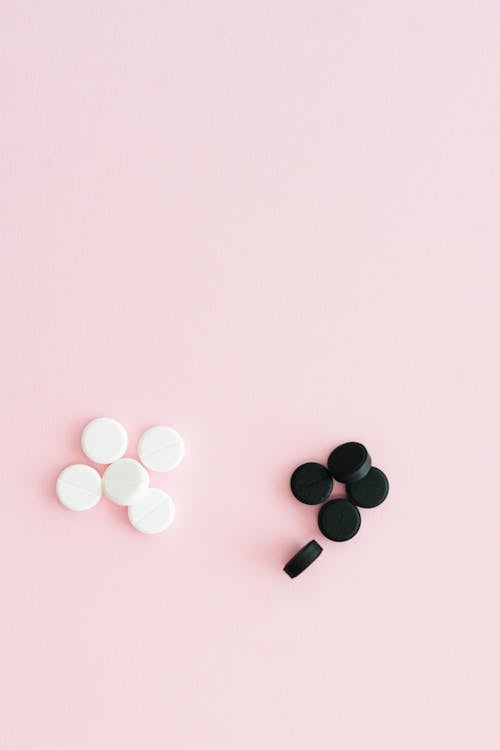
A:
[350,462]
[311,483]
[339,520]
[304,557]
[369,491]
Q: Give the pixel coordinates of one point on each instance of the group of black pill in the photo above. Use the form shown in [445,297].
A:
[338,519]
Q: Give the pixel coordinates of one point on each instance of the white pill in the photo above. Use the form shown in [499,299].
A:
[104,440]
[161,448]
[154,513]
[125,481]
[79,487]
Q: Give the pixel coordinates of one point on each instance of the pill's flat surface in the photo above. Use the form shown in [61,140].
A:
[303,558]
[311,483]
[339,520]
[154,513]
[369,491]
[125,481]
[161,448]
[79,487]
[349,462]
[104,440]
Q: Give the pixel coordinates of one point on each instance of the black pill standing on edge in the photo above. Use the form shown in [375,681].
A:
[339,520]
[303,558]
[369,491]
[311,483]
[350,462]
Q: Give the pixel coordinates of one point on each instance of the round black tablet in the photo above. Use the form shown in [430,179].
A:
[304,557]
[311,483]
[350,462]
[339,520]
[369,491]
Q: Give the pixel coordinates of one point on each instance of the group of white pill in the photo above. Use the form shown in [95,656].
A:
[125,481]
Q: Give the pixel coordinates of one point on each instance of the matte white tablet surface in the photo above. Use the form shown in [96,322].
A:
[104,440]
[125,481]
[161,448]
[78,487]
[154,513]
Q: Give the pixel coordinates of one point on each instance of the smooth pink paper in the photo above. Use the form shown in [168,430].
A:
[274,226]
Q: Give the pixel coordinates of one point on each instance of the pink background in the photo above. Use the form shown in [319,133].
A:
[274,226]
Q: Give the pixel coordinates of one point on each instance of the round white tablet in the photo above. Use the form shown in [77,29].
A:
[154,513]
[78,487]
[125,481]
[104,440]
[161,448]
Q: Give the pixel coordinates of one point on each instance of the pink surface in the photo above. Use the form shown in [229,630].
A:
[273,226]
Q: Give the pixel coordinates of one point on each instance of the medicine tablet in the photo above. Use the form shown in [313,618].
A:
[369,491]
[350,462]
[339,520]
[78,487]
[104,440]
[154,513]
[303,558]
[311,483]
[161,448]
[125,481]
